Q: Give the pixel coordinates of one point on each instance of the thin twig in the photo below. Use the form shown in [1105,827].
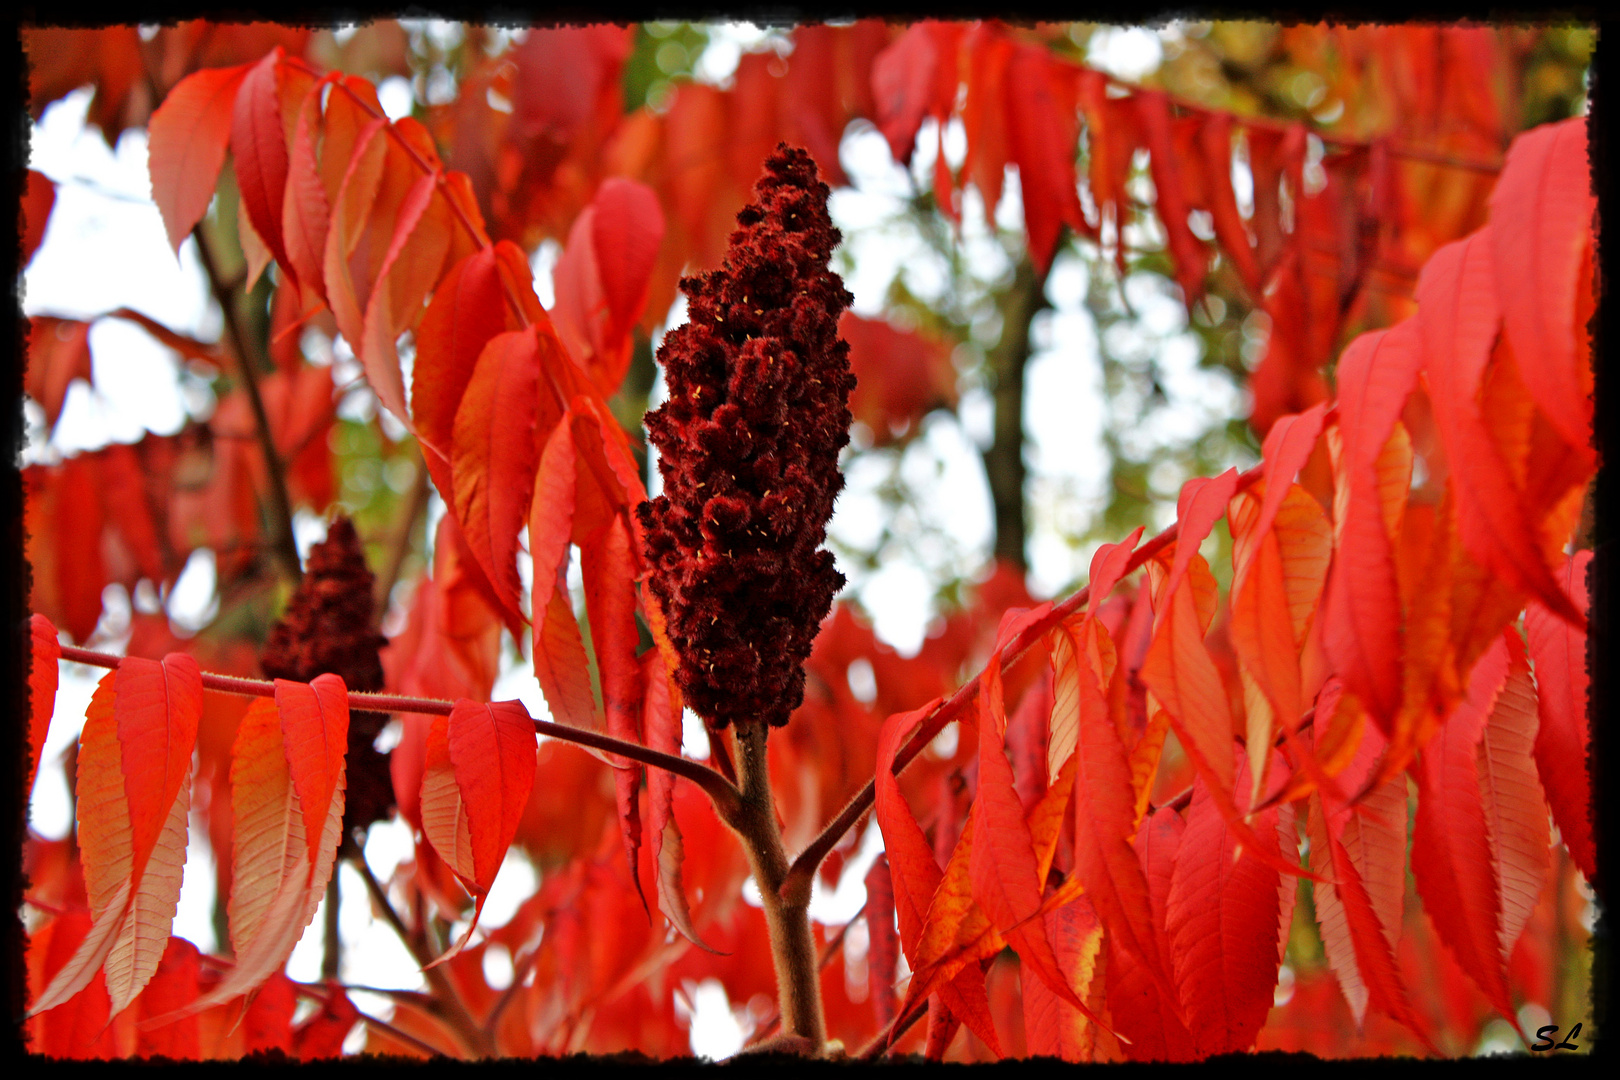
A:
[455,1010]
[318,993]
[283,541]
[399,543]
[724,796]
[892,1034]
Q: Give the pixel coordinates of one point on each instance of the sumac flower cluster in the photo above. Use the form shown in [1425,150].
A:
[758,409]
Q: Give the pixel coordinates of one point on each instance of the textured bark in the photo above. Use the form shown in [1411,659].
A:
[1004,461]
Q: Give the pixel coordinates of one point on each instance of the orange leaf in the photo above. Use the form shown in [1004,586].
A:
[351,212]
[492,749]
[186,141]
[1054,1028]
[1191,259]
[173,985]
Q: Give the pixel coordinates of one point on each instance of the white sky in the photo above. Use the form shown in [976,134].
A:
[105,249]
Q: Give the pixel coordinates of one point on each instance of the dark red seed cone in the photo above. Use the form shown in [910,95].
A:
[327,628]
[748,444]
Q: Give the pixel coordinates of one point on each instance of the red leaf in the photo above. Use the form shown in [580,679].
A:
[492,747]
[626,232]
[315,735]
[1186,250]
[267,1023]
[58,353]
[1215,142]
[1541,220]
[43,672]
[883,953]
[1052,1027]
[186,141]
[984,118]
[1563,737]
[915,874]
[1451,850]
[39,196]
[322,1035]
[305,210]
[560,664]
[351,215]
[1104,809]
[1356,939]
[1222,920]
[410,269]
[905,80]
[259,145]
[134,790]
[1515,814]
[1459,320]
[1200,505]
[493,455]
[1041,140]
[1362,625]
[1150,1021]
[174,985]
[1002,864]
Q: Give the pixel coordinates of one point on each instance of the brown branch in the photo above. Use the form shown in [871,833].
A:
[724,796]
[787,910]
[804,867]
[399,543]
[317,993]
[283,543]
[455,1010]
[828,951]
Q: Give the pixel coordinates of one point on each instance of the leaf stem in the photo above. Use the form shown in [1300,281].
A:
[721,792]
[282,541]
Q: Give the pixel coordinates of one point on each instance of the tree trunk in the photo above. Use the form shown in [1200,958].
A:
[1004,461]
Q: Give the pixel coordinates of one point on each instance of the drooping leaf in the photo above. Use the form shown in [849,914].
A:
[493,455]
[1104,812]
[133,794]
[1541,219]
[1152,1022]
[1451,850]
[1459,318]
[476,778]
[1562,736]
[1515,816]
[409,271]
[173,985]
[1040,139]
[883,955]
[626,233]
[1191,259]
[1052,1027]
[259,146]
[560,664]
[917,877]
[1222,921]
[186,142]
[1362,628]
